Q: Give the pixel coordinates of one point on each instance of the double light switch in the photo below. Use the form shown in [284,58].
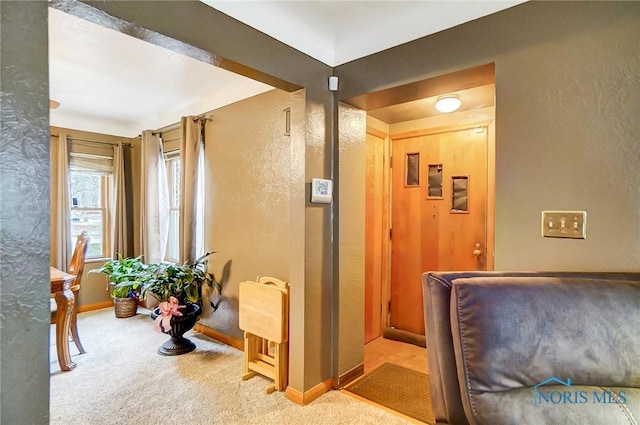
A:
[564,224]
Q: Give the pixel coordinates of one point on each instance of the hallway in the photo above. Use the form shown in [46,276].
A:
[391,383]
[382,350]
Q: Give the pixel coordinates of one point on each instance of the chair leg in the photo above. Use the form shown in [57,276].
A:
[74,326]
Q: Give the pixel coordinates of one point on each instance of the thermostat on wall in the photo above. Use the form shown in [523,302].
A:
[321,191]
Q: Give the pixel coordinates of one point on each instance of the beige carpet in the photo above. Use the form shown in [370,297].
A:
[397,388]
[122,380]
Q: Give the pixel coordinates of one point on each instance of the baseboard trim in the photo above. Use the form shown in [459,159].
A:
[217,335]
[310,395]
[95,306]
[348,377]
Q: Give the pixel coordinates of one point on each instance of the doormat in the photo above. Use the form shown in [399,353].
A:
[398,388]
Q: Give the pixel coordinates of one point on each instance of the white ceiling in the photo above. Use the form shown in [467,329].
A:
[336,32]
[108,82]
[111,83]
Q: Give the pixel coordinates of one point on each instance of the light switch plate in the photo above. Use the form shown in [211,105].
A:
[564,224]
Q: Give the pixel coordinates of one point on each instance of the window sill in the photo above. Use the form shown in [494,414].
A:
[96,260]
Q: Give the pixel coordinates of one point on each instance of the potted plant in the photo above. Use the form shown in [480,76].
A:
[183,291]
[125,279]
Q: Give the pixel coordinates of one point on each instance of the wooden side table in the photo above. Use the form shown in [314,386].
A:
[264,318]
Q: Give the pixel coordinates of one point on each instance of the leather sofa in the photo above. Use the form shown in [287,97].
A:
[519,348]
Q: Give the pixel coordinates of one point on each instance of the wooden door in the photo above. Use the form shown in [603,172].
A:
[438,209]
[376,205]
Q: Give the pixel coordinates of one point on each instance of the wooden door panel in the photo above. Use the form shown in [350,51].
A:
[374,210]
[432,209]
[407,242]
[427,234]
[465,155]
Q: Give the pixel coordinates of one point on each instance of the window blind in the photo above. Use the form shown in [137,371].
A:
[98,164]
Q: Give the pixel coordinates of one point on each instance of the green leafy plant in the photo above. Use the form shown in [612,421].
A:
[185,281]
[126,276]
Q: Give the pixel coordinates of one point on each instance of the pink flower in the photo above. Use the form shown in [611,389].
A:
[167,310]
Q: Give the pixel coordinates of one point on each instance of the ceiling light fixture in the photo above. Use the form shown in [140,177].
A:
[448,103]
[53,104]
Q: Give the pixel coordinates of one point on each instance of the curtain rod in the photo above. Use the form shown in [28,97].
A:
[102,142]
[202,117]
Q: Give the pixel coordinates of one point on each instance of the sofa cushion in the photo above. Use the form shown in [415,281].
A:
[578,405]
[513,333]
[436,289]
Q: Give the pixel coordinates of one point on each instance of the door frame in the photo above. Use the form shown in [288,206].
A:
[489,123]
[385,225]
[435,126]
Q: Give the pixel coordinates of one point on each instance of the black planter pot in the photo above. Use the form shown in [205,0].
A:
[178,344]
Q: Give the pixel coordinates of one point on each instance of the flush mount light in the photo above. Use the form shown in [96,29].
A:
[448,103]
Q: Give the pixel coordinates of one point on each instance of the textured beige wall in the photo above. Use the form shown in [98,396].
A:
[351,270]
[567,133]
[255,209]
[566,122]
[297,222]
[247,198]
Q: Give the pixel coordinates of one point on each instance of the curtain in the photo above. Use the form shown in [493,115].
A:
[154,193]
[119,237]
[61,207]
[191,189]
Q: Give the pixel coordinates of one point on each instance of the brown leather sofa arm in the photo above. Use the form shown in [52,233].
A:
[436,290]
[547,350]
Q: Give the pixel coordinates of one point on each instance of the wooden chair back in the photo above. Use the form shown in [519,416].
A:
[76,266]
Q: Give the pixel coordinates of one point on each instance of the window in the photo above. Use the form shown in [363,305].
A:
[172,162]
[460,194]
[90,185]
[434,180]
[412,169]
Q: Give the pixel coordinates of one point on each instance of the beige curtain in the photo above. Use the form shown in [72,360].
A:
[119,236]
[191,189]
[154,193]
[61,206]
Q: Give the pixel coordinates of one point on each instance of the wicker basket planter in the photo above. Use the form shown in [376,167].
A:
[124,280]
[125,307]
